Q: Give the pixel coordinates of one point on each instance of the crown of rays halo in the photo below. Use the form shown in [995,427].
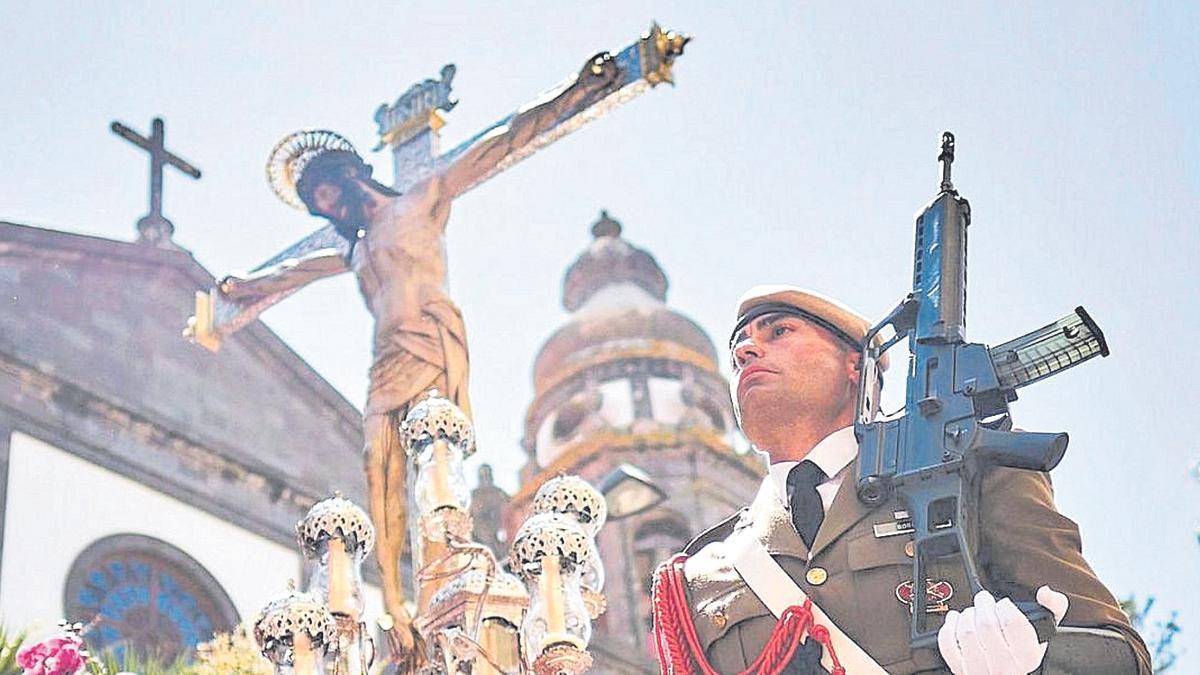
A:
[293,153]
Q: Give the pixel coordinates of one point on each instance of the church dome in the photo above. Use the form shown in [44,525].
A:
[611,260]
[616,293]
[627,382]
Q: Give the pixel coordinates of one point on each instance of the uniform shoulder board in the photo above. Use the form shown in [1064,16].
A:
[718,532]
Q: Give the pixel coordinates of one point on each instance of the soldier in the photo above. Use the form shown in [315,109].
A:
[721,606]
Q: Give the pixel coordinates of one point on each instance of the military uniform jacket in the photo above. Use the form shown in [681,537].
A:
[1023,543]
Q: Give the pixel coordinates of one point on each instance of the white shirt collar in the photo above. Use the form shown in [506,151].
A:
[832,454]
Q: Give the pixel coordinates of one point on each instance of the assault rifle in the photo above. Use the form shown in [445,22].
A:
[956,420]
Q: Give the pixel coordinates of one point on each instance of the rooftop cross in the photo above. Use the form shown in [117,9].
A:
[153,228]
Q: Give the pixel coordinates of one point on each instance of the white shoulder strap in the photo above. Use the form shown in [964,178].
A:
[764,576]
[777,591]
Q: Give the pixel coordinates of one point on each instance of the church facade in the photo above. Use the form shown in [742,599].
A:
[157,485]
[143,479]
[629,380]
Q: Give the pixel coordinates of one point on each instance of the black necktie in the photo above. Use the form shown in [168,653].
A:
[807,659]
[805,501]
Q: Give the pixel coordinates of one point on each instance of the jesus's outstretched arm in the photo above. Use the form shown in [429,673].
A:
[239,299]
[510,138]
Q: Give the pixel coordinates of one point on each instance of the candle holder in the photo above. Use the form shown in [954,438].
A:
[356,649]
[575,498]
[550,551]
[562,659]
[438,438]
[445,524]
[297,634]
[338,536]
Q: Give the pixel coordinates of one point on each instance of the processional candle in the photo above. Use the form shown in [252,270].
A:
[338,535]
[344,587]
[441,481]
[297,634]
[438,437]
[575,498]
[550,550]
[304,659]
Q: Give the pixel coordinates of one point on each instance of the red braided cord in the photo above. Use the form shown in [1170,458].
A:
[671,638]
[668,639]
[690,651]
[678,645]
[784,640]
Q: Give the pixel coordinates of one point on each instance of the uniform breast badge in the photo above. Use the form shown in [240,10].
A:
[937,594]
[903,525]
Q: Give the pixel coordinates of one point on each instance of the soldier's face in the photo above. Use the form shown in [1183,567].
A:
[785,367]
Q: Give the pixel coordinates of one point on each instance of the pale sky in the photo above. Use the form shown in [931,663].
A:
[797,146]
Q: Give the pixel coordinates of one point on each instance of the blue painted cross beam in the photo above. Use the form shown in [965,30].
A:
[153,228]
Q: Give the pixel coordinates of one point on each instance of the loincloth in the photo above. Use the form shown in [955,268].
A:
[419,355]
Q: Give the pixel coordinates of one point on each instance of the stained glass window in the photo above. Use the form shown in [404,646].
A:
[150,596]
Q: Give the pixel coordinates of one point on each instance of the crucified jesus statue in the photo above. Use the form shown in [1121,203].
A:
[394,242]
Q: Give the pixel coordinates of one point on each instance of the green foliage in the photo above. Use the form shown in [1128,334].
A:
[131,661]
[1159,634]
[10,644]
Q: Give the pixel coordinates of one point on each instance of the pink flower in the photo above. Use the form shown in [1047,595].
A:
[55,656]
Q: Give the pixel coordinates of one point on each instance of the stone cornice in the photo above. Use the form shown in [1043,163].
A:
[45,400]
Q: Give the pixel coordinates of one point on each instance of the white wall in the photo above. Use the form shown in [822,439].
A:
[58,504]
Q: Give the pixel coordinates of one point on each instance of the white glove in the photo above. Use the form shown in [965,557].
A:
[995,638]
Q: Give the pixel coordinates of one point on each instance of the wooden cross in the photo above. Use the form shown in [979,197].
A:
[153,228]
[410,126]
